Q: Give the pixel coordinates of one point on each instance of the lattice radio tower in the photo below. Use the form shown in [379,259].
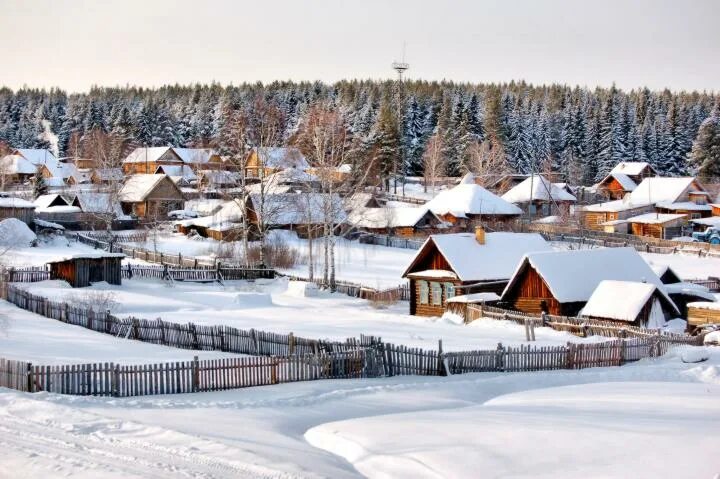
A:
[400,67]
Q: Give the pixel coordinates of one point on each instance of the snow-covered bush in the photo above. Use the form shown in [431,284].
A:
[15,233]
[97,300]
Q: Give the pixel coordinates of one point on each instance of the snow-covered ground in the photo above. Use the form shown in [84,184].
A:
[653,419]
[268,305]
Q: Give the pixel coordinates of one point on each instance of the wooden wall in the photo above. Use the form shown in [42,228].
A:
[25,215]
[700,316]
[530,291]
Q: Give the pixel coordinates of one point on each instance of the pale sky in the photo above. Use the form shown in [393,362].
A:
[76,44]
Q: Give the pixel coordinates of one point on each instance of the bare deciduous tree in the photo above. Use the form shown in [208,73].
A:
[434,164]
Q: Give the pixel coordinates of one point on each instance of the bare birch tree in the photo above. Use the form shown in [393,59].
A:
[434,164]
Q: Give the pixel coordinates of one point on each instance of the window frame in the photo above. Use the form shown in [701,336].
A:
[424,292]
[436,293]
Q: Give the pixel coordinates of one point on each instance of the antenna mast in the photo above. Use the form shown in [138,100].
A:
[400,67]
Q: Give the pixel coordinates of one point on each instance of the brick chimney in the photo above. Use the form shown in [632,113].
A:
[480,234]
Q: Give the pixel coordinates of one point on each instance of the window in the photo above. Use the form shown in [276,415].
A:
[424,293]
[436,291]
[449,291]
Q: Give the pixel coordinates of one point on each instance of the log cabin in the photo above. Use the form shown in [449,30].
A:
[539,197]
[715,209]
[657,225]
[624,178]
[469,204]
[148,196]
[601,215]
[636,303]
[304,213]
[84,269]
[147,160]
[265,161]
[106,176]
[16,170]
[561,282]
[460,263]
[701,313]
[406,222]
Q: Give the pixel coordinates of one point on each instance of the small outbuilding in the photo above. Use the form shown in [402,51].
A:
[11,207]
[657,225]
[632,302]
[701,313]
[84,269]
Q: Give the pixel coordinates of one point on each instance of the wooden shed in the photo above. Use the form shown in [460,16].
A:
[84,269]
[657,225]
[455,264]
[636,303]
[17,208]
[561,282]
[150,196]
[703,312]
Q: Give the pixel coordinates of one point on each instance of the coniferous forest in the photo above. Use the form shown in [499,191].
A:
[578,133]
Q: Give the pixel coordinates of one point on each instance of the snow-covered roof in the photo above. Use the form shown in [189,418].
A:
[433,273]
[494,260]
[661,269]
[632,168]
[625,181]
[616,205]
[15,203]
[88,256]
[204,207]
[290,175]
[182,171]
[655,218]
[97,202]
[137,187]
[230,212]
[474,298]
[704,305]
[16,165]
[48,224]
[690,289]
[43,201]
[358,200]
[549,220]
[55,181]
[220,177]
[572,276]
[468,198]
[683,205]
[149,154]
[37,156]
[282,157]
[297,209]
[194,156]
[388,217]
[59,209]
[660,189]
[712,221]
[537,188]
[619,300]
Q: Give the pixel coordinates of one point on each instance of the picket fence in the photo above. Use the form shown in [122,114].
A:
[110,379]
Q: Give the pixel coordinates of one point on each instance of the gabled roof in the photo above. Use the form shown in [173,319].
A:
[51,199]
[537,188]
[468,198]
[659,189]
[182,171]
[622,300]
[297,209]
[98,203]
[624,180]
[138,187]
[389,217]
[632,168]
[282,157]
[36,156]
[662,269]
[17,165]
[683,205]
[572,276]
[617,205]
[195,156]
[12,202]
[472,261]
[290,176]
[149,154]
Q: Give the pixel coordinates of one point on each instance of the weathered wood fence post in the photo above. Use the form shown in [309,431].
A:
[196,374]
[500,358]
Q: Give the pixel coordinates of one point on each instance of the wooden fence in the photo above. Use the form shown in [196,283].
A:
[110,379]
[391,241]
[25,275]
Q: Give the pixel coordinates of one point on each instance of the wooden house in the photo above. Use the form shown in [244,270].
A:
[469,204]
[601,215]
[701,313]
[106,176]
[147,160]
[264,161]
[636,303]
[624,178]
[683,294]
[401,221]
[17,208]
[147,196]
[223,224]
[461,263]
[200,159]
[561,282]
[539,197]
[16,170]
[84,269]
[715,209]
[657,225]
[304,213]
[666,274]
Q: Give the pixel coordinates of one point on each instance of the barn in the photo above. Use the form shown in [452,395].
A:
[540,197]
[635,303]
[453,264]
[400,221]
[561,282]
[84,269]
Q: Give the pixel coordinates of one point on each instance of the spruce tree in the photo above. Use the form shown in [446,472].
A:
[705,154]
[39,185]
